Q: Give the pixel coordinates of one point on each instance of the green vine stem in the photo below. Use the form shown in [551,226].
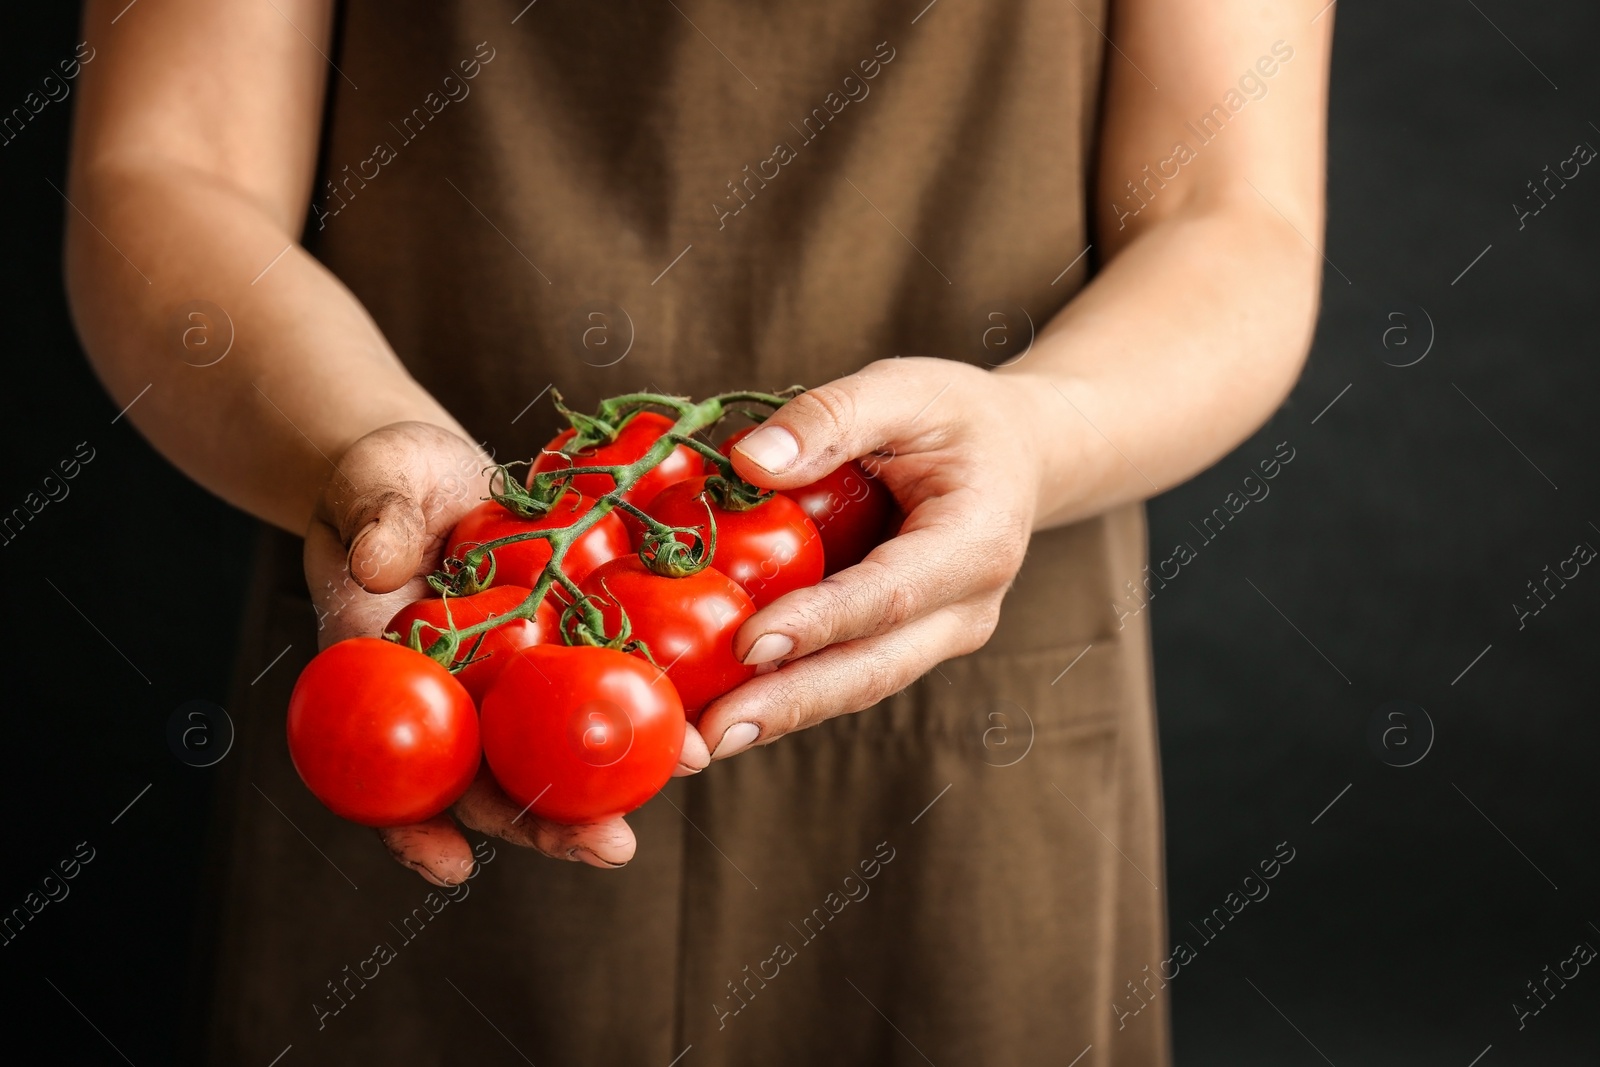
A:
[510,493]
[670,557]
[694,444]
[618,407]
[732,493]
[729,491]
[614,413]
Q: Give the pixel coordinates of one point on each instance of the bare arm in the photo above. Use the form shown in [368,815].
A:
[1182,345]
[1198,326]
[192,163]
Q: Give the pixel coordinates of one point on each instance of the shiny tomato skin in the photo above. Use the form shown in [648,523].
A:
[520,564]
[499,644]
[687,623]
[769,550]
[851,509]
[382,735]
[578,734]
[633,441]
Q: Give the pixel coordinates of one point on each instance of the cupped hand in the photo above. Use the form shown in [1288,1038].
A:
[380,528]
[958,448]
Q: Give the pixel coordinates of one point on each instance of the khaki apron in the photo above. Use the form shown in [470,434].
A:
[694,197]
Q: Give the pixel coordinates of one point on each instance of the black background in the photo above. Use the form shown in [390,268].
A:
[1387,557]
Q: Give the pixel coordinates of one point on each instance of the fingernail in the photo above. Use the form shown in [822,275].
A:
[684,770]
[738,737]
[772,448]
[356,543]
[429,875]
[593,859]
[767,648]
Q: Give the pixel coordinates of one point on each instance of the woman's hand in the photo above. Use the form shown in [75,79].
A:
[1191,332]
[380,528]
[960,450]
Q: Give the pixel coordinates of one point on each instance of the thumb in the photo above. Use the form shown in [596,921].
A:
[376,511]
[821,429]
[360,545]
[394,493]
[386,549]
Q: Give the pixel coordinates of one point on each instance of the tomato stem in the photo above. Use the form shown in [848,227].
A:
[668,553]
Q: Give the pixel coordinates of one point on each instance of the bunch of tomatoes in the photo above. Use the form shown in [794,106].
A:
[585,613]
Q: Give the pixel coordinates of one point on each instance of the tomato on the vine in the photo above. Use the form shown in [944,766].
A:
[850,508]
[577,733]
[635,438]
[768,550]
[521,562]
[499,644]
[687,624]
[381,734]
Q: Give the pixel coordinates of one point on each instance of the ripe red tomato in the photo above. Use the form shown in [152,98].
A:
[499,644]
[578,734]
[687,623]
[382,735]
[852,511]
[850,508]
[769,550]
[633,441]
[521,563]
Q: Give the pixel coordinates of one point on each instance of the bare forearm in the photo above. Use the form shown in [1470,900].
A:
[1178,350]
[307,372]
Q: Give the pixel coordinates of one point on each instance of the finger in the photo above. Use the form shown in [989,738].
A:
[395,492]
[434,849]
[695,755]
[950,551]
[841,679]
[343,608]
[890,402]
[487,809]
[382,525]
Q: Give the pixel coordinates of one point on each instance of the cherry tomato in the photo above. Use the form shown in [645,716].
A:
[633,441]
[768,550]
[499,644]
[521,563]
[381,734]
[578,734]
[687,623]
[850,508]
[852,511]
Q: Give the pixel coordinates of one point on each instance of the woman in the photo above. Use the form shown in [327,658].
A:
[735,196]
